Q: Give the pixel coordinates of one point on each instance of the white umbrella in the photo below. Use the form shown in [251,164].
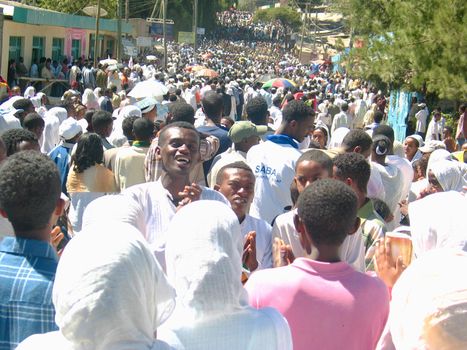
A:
[108,61]
[148,88]
[151,58]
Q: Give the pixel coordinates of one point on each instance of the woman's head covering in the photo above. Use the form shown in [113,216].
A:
[204,260]
[109,291]
[439,154]
[88,97]
[438,221]
[36,101]
[449,174]
[337,137]
[29,92]
[429,303]
[123,210]
[59,112]
[97,92]
[418,138]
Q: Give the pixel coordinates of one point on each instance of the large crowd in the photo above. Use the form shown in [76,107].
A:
[237,200]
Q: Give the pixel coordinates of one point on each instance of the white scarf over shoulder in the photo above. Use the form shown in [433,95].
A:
[109,293]
[204,264]
[438,221]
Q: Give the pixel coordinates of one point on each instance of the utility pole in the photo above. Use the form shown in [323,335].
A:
[316,29]
[1,36]
[119,30]
[303,31]
[195,25]
[96,37]
[127,10]
[164,31]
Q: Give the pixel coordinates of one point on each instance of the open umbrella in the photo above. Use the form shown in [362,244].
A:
[208,73]
[148,88]
[194,68]
[278,82]
[108,61]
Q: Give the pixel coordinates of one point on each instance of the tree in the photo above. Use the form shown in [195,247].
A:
[417,44]
[286,15]
[76,6]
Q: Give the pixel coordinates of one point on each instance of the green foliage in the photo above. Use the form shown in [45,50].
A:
[287,15]
[76,6]
[418,44]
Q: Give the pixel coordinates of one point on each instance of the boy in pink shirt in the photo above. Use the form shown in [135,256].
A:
[327,303]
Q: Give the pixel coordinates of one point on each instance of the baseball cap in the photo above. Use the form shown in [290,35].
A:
[69,129]
[244,129]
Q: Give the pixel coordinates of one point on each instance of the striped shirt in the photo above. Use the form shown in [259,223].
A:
[27,273]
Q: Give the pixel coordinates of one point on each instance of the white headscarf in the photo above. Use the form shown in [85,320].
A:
[89,99]
[109,291]
[337,137]
[204,261]
[438,221]
[59,112]
[449,175]
[29,92]
[97,91]
[429,303]
[122,210]
[204,264]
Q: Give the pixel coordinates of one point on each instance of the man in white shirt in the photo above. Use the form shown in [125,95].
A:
[421,117]
[178,150]
[237,182]
[312,165]
[360,110]
[273,161]
[275,113]
[342,119]
[435,129]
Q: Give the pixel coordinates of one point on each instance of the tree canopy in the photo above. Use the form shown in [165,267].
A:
[181,11]
[76,6]
[417,44]
[287,15]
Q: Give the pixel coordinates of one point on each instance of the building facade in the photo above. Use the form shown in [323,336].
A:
[32,33]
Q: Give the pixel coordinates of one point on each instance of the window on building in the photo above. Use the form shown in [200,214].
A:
[75,48]
[16,47]
[57,49]
[38,46]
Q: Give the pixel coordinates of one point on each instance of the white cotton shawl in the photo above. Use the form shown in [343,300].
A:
[438,221]
[429,303]
[113,208]
[29,92]
[337,137]
[52,119]
[449,174]
[109,293]
[393,182]
[204,264]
